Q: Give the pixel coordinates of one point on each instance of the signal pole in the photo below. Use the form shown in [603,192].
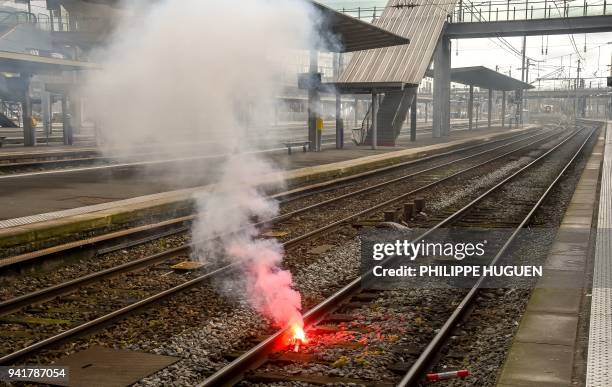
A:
[523,72]
[576,83]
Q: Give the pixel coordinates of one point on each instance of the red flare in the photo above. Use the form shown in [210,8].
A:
[299,337]
[298,333]
[434,377]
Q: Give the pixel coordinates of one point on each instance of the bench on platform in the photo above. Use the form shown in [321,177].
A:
[291,144]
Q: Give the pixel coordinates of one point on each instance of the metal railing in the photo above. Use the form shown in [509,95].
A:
[360,134]
[44,22]
[508,10]
[503,10]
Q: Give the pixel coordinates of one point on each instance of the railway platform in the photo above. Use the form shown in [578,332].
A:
[13,151]
[38,192]
[565,332]
[49,204]
[56,151]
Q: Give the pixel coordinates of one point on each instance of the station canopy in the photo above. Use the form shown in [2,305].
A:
[485,78]
[354,34]
[348,34]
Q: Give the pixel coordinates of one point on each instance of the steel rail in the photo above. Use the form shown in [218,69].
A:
[396,199]
[291,195]
[198,280]
[232,373]
[54,291]
[398,179]
[93,241]
[417,369]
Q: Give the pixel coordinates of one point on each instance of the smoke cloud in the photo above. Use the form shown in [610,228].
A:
[194,71]
[199,72]
[226,229]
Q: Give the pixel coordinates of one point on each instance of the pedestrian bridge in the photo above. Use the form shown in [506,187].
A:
[499,18]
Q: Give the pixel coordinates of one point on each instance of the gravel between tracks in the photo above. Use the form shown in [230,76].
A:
[201,349]
[199,361]
[18,285]
[481,343]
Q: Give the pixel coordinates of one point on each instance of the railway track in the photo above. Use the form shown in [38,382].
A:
[195,280]
[531,203]
[142,233]
[325,199]
[343,328]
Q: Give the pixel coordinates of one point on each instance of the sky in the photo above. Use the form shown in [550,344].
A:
[493,52]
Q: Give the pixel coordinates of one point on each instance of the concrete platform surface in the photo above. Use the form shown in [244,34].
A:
[599,360]
[284,131]
[41,192]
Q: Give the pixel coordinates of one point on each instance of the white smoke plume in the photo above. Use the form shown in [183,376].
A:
[198,72]
[227,229]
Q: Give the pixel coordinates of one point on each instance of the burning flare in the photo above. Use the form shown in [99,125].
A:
[298,333]
[299,336]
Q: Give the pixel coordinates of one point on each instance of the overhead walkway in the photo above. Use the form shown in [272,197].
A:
[575,93]
[535,27]
[495,19]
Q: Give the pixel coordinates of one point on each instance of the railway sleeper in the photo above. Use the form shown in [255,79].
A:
[268,377]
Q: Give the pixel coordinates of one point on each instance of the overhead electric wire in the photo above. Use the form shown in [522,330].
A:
[513,50]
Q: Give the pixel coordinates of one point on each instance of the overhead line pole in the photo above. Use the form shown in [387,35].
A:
[524,94]
[576,83]
[523,72]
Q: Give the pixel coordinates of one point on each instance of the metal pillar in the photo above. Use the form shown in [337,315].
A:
[413,116]
[489,108]
[441,92]
[524,78]
[356,110]
[29,132]
[374,119]
[60,22]
[471,107]
[76,104]
[67,128]
[45,105]
[426,111]
[503,109]
[524,101]
[313,103]
[339,122]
